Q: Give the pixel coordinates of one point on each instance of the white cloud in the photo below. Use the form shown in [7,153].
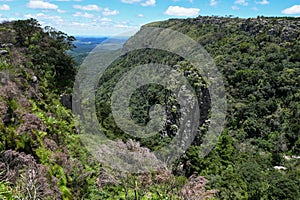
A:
[79,24]
[149,3]
[191,1]
[4,7]
[5,0]
[29,16]
[85,15]
[181,11]
[142,2]
[263,2]
[66,0]
[124,26]
[140,15]
[131,1]
[60,11]
[89,7]
[255,8]
[235,8]
[5,19]
[104,19]
[213,3]
[44,16]
[39,4]
[292,10]
[101,21]
[107,12]
[56,19]
[241,2]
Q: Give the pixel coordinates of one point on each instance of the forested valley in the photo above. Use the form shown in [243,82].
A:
[257,156]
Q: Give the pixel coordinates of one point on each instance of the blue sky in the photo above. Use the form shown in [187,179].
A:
[115,17]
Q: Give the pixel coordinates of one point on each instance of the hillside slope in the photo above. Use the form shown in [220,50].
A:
[260,62]
[256,156]
[40,152]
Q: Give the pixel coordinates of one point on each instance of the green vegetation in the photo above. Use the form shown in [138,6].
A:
[256,156]
[40,151]
[259,60]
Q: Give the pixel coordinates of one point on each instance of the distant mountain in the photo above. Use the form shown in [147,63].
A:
[86,44]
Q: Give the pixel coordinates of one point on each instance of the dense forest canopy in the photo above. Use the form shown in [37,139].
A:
[44,50]
[259,61]
[256,156]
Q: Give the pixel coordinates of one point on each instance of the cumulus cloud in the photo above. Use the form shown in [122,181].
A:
[191,1]
[125,26]
[4,7]
[213,3]
[66,0]
[101,21]
[140,15]
[235,8]
[263,2]
[107,12]
[39,4]
[292,10]
[60,11]
[89,7]
[79,24]
[142,3]
[5,19]
[131,1]
[241,2]
[182,11]
[43,16]
[85,15]
[104,19]
[149,3]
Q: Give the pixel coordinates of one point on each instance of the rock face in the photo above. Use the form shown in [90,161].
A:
[66,100]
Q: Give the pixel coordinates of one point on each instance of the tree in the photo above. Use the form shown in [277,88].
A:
[25,30]
[47,49]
